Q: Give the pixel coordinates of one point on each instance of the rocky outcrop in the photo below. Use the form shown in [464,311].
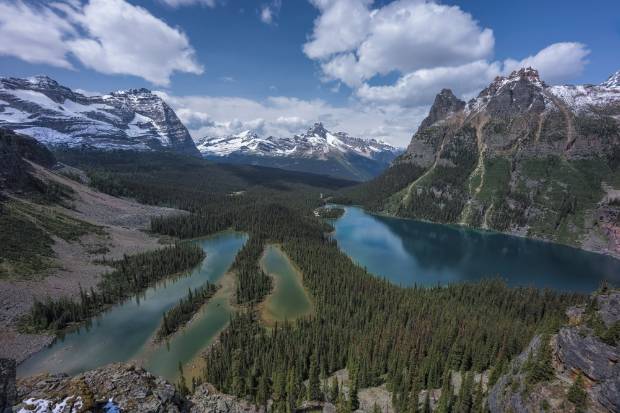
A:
[57,116]
[522,157]
[8,391]
[206,399]
[577,350]
[121,386]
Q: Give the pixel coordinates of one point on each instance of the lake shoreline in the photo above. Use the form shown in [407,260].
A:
[268,320]
[518,234]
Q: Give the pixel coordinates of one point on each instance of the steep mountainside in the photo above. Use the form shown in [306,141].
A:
[318,151]
[57,116]
[574,370]
[523,157]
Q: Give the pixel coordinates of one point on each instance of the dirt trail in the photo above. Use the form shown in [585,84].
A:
[123,222]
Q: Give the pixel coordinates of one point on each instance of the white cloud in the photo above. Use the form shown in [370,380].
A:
[429,45]
[179,3]
[355,43]
[269,12]
[284,116]
[559,62]
[109,36]
[34,34]
[341,26]
[419,88]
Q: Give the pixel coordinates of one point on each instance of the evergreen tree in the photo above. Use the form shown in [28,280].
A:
[334,390]
[464,402]
[444,404]
[314,384]
[237,376]
[427,403]
[577,394]
[353,390]
[478,402]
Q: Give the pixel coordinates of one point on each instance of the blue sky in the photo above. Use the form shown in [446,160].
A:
[369,68]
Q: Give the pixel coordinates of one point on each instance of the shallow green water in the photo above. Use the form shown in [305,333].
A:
[409,252]
[289,299]
[124,332]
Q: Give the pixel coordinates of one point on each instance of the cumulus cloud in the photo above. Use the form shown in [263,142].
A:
[179,3]
[355,43]
[429,45]
[341,26]
[34,34]
[559,62]
[420,87]
[285,116]
[269,12]
[101,34]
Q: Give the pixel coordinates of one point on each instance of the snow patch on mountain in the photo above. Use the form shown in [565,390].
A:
[316,143]
[131,119]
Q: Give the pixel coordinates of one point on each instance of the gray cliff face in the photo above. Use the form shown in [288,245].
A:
[57,116]
[522,157]
[8,391]
[577,349]
[119,386]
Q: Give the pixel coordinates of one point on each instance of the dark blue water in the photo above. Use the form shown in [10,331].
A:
[409,252]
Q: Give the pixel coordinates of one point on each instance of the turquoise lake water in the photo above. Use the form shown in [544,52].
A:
[124,332]
[409,252]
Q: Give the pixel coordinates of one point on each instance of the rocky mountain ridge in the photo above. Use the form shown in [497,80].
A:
[55,115]
[317,150]
[522,157]
[582,370]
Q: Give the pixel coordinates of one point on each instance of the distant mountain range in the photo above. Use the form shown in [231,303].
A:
[317,150]
[137,119]
[522,157]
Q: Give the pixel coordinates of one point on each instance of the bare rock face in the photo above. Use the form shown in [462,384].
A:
[206,399]
[515,159]
[116,386]
[609,308]
[576,350]
[135,119]
[8,391]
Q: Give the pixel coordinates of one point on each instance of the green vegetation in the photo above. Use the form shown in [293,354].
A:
[538,366]
[407,338]
[26,248]
[131,275]
[180,314]
[26,236]
[577,394]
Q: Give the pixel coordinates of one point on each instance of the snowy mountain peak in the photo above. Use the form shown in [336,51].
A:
[55,115]
[523,77]
[317,130]
[613,81]
[42,81]
[140,91]
[311,151]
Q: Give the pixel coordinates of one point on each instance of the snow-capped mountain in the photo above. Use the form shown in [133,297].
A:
[57,116]
[317,150]
[522,157]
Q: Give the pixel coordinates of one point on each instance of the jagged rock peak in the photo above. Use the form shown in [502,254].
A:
[317,129]
[613,81]
[445,103]
[42,81]
[526,76]
[139,91]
